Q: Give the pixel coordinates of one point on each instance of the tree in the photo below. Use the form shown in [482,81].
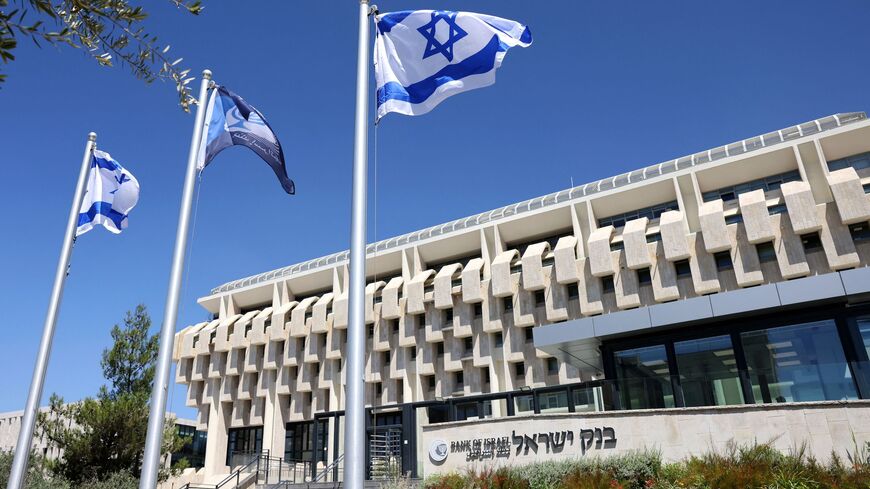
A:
[129,364]
[107,30]
[36,477]
[103,436]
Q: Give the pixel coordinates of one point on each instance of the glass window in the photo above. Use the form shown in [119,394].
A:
[487,407]
[860,232]
[683,268]
[708,372]
[772,182]
[523,404]
[644,378]
[644,277]
[242,443]
[466,410]
[804,362]
[553,402]
[766,252]
[573,291]
[439,413]
[864,333]
[587,399]
[552,366]
[299,441]
[723,261]
[651,212]
[858,162]
[861,368]
[194,449]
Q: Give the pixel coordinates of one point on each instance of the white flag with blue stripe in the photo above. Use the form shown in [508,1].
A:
[111,193]
[424,56]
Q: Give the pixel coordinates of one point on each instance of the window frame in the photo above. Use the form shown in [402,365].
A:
[844,319]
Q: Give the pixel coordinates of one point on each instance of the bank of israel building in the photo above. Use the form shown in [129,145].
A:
[718,296]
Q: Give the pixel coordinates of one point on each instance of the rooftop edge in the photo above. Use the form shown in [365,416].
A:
[733,149]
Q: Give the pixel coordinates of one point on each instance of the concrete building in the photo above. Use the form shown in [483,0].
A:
[717,296]
[10,427]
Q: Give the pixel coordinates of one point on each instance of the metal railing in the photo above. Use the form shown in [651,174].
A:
[332,473]
[336,468]
[255,465]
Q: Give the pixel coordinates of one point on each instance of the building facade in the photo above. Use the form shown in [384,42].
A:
[10,428]
[646,309]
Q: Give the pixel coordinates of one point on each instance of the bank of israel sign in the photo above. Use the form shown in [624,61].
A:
[438,450]
[524,444]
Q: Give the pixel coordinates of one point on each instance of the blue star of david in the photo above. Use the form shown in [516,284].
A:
[455,33]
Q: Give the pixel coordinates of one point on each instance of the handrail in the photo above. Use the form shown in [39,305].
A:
[329,467]
[322,474]
[236,474]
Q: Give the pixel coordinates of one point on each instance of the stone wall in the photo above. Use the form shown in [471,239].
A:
[825,427]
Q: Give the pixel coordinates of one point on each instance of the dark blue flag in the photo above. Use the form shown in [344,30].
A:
[229,121]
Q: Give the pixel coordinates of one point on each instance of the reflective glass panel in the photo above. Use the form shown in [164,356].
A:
[708,372]
[242,444]
[523,404]
[644,378]
[587,399]
[553,402]
[864,333]
[862,366]
[804,362]
[466,410]
[299,441]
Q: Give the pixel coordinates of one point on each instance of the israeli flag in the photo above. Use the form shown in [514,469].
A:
[424,56]
[229,121]
[111,193]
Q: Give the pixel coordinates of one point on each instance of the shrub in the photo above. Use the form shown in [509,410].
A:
[635,469]
[596,479]
[117,480]
[500,478]
[37,477]
[755,466]
[450,480]
[550,474]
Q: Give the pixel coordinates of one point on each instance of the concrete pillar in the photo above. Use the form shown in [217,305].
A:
[216,447]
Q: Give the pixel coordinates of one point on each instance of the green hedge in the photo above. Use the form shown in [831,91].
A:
[38,477]
[757,466]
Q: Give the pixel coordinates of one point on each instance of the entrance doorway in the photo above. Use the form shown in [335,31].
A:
[385,440]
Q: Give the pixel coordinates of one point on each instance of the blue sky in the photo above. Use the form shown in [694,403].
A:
[606,87]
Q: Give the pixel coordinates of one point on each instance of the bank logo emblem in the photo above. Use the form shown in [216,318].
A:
[438,450]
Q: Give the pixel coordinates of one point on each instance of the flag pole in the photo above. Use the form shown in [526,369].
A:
[354,432]
[154,439]
[25,436]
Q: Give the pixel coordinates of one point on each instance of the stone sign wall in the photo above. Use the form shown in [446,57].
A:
[823,426]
